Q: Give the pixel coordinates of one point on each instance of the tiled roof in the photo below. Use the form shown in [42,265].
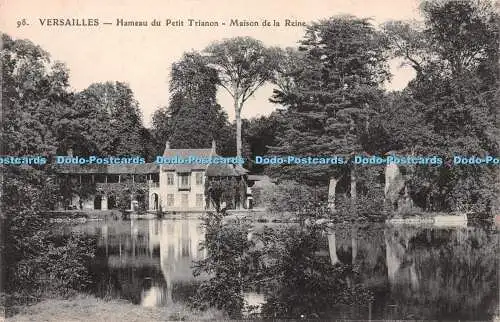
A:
[203,153]
[258,177]
[221,170]
[186,153]
[109,168]
[240,169]
[212,170]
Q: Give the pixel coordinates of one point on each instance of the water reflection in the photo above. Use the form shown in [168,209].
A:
[332,247]
[436,273]
[146,262]
[403,272]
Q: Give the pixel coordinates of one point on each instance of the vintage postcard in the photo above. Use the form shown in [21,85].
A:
[167,160]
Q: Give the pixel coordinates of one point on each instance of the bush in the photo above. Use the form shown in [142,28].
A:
[366,207]
[281,262]
[36,262]
[290,196]
[227,263]
[60,270]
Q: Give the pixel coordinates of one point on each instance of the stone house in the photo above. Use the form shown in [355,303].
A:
[182,187]
[151,186]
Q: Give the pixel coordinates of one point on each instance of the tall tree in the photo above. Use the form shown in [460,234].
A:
[260,134]
[108,115]
[161,127]
[193,118]
[243,64]
[35,98]
[332,100]
[35,102]
[455,55]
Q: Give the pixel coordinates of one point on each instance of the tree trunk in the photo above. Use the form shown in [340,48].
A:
[353,184]
[332,247]
[331,193]
[354,244]
[237,115]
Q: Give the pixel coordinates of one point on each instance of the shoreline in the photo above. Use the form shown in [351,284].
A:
[85,307]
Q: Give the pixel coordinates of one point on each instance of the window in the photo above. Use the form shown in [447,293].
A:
[100,178]
[113,178]
[155,177]
[184,182]
[184,200]
[86,178]
[126,177]
[140,178]
[170,179]
[199,178]
[199,200]
[170,199]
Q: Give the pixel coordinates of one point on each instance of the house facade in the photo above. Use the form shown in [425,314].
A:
[150,187]
[182,187]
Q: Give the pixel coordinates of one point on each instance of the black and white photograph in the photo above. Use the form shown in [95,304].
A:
[187,160]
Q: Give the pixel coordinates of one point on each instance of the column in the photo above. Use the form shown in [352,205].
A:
[104,203]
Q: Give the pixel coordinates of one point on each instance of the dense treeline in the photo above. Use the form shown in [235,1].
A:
[331,88]
[42,117]
[193,119]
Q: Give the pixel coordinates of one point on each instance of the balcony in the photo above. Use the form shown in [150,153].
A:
[152,184]
[184,182]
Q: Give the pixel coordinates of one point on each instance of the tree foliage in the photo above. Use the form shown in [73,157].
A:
[34,99]
[243,65]
[193,118]
[451,107]
[107,116]
[260,133]
[282,263]
[329,103]
[35,105]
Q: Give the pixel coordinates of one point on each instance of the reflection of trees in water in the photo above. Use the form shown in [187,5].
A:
[309,284]
[426,273]
[413,273]
[227,263]
[126,282]
[284,264]
[443,273]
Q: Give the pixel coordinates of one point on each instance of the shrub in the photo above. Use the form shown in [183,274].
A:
[36,262]
[281,262]
[228,260]
[366,207]
[290,196]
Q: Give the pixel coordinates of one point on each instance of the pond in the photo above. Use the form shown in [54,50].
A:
[374,272]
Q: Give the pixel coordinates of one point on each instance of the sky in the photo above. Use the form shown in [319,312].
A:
[142,56]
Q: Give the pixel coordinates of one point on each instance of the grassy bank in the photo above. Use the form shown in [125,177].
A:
[89,308]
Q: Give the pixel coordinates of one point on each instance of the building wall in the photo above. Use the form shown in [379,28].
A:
[175,194]
[174,198]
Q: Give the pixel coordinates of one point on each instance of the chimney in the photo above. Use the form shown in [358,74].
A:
[69,152]
[167,146]
[214,150]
